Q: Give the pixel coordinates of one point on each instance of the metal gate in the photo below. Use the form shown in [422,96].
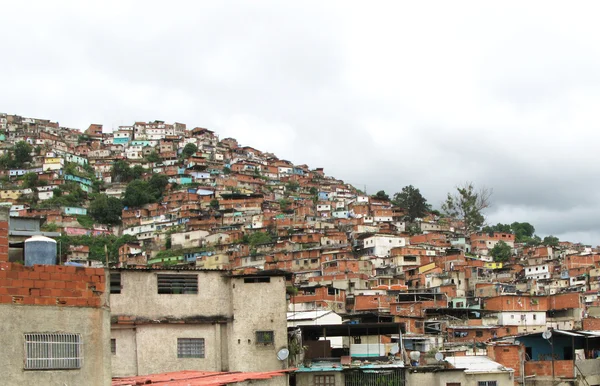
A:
[379,377]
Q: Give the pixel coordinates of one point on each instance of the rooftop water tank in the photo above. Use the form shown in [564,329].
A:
[40,250]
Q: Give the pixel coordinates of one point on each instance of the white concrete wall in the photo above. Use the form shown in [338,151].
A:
[92,323]
[257,307]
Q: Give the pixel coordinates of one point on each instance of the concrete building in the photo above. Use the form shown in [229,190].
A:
[55,323]
[209,320]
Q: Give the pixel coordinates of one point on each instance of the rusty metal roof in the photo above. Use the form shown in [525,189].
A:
[197,378]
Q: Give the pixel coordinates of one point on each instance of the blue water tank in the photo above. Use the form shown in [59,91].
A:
[40,250]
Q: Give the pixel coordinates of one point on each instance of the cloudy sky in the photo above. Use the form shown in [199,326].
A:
[430,94]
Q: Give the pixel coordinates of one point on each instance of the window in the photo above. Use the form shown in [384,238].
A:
[46,351]
[113,346]
[486,383]
[324,380]
[479,334]
[190,347]
[264,279]
[453,384]
[265,337]
[177,284]
[115,283]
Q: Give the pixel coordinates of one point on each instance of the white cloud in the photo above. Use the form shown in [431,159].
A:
[384,95]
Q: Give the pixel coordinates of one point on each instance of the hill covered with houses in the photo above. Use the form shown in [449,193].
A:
[162,194]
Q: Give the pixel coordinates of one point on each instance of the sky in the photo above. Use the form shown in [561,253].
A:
[381,94]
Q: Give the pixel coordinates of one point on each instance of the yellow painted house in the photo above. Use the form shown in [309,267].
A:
[493,265]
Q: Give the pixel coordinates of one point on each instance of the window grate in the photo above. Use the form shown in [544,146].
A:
[45,351]
[115,283]
[324,380]
[265,337]
[113,346]
[177,284]
[190,347]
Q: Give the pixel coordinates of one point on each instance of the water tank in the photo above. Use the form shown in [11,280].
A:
[40,250]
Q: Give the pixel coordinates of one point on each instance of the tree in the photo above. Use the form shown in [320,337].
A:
[503,228]
[284,204]
[214,203]
[120,171]
[259,238]
[523,231]
[153,157]
[137,194]
[410,198]
[106,210]
[140,192]
[382,195]
[189,150]
[22,153]
[550,241]
[136,172]
[30,180]
[501,251]
[157,185]
[468,204]
[226,170]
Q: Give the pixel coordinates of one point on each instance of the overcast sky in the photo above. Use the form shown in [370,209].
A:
[424,93]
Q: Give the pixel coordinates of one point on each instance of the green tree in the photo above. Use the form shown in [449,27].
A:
[550,241]
[189,150]
[214,203]
[120,171]
[153,157]
[30,180]
[157,185]
[292,186]
[284,204]
[381,195]
[226,170]
[137,194]
[22,153]
[106,210]
[501,251]
[468,204]
[410,198]
[136,172]
[523,231]
[140,192]
[258,238]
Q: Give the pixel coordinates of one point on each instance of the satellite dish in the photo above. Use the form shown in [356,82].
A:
[394,350]
[414,355]
[547,334]
[439,356]
[283,354]
[517,342]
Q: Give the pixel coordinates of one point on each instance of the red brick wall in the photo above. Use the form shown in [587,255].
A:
[4,240]
[591,324]
[562,368]
[506,355]
[51,285]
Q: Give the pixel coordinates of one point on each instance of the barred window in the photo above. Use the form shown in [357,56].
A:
[324,380]
[113,346]
[265,337]
[177,284]
[486,383]
[190,347]
[51,351]
[115,283]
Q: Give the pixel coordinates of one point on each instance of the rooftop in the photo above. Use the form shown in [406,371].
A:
[476,364]
[196,378]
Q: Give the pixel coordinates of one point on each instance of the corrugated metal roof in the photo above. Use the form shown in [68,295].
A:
[306,315]
[476,364]
[197,378]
